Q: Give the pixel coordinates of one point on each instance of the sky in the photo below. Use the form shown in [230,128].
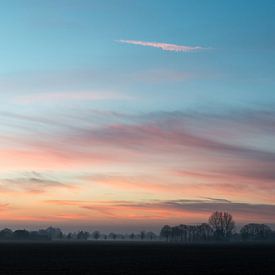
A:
[125,115]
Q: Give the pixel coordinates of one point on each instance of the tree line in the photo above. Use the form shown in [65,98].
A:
[220,227]
[52,233]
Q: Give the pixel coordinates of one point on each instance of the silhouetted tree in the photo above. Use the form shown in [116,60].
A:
[96,235]
[36,236]
[6,234]
[69,236]
[150,236]
[175,233]
[165,232]
[132,236]
[112,236]
[254,231]
[185,232]
[205,232]
[142,235]
[21,234]
[104,236]
[83,235]
[120,236]
[54,233]
[222,224]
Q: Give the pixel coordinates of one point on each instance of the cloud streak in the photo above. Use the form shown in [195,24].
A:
[61,96]
[164,46]
[165,210]
[33,183]
[102,153]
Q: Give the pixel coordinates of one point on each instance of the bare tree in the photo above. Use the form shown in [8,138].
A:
[165,232]
[132,236]
[83,235]
[255,231]
[6,234]
[150,236]
[205,232]
[142,235]
[96,235]
[112,236]
[183,232]
[222,224]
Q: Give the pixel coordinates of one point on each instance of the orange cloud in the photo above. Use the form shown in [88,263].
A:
[176,211]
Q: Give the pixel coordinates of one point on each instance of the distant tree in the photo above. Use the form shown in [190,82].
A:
[83,235]
[112,236]
[254,231]
[43,234]
[183,232]
[54,233]
[21,234]
[6,234]
[142,235]
[187,233]
[223,225]
[205,232]
[105,237]
[132,236]
[166,232]
[69,236]
[96,235]
[150,236]
[175,233]
[120,236]
[192,233]
[36,235]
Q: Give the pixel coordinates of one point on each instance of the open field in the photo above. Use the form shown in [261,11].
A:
[135,258]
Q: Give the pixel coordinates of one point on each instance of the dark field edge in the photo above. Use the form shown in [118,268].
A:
[122,257]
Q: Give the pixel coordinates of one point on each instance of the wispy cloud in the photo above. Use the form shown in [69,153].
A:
[32,182]
[166,209]
[91,96]
[164,46]
[178,155]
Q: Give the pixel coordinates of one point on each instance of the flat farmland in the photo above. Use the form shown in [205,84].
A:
[135,258]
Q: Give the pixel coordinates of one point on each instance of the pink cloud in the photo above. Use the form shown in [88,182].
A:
[203,162]
[48,158]
[164,46]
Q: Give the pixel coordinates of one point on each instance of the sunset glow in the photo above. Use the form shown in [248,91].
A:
[107,121]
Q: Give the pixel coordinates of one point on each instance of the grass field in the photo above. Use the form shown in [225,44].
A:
[135,258]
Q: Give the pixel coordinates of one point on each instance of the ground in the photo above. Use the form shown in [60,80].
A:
[135,258]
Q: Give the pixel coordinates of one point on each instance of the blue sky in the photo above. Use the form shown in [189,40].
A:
[78,78]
